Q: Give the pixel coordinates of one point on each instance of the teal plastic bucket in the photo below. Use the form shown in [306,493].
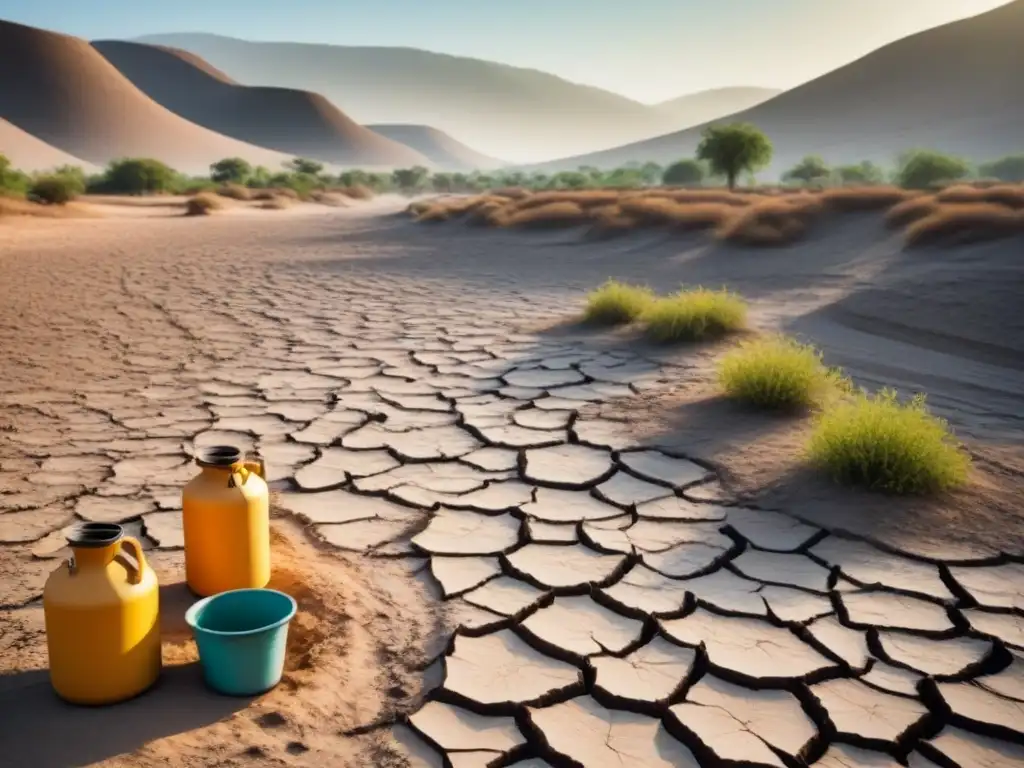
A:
[242,636]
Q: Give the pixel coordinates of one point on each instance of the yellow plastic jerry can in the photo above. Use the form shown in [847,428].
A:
[102,614]
[226,520]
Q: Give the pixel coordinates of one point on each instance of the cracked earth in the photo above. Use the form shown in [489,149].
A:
[603,603]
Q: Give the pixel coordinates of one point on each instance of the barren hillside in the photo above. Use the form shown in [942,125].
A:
[440,148]
[484,103]
[700,107]
[285,119]
[67,95]
[957,88]
[27,153]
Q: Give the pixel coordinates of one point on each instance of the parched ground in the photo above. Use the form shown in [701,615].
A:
[513,543]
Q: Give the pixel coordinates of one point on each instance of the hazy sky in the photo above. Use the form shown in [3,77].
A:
[649,50]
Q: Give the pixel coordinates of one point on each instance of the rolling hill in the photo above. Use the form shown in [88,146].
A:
[284,119]
[67,95]
[957,88]
[487,105]
[441,149]
[27,153]
[702,106]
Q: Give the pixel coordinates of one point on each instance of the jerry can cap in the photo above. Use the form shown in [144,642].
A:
[94,535]
[218,456]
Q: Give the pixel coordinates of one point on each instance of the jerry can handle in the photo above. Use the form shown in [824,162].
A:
[242,472]
[135,571]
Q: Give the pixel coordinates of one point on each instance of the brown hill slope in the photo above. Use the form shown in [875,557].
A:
[443,150]
[285,119]
[67,95]
[957,88]
[27,153]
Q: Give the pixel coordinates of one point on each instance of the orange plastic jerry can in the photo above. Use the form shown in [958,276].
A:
[226,521]
[102,614]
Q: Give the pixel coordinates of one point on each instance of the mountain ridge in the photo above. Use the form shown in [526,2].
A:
[958,87]
[67,95]
[294,121]
[401,85]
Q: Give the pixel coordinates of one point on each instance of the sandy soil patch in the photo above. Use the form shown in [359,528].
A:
[351,662]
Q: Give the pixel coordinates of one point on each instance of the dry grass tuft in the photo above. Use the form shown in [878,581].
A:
[777,372]
[263,194]
[548,216]
[957,223]
[512,193]
[14,206]
[910,210]
[485,213]
[616,303]
[772,222]
[762,217]
[355,191]
[695,315]
[276,204]
[202,204]
[234,192]
[864,198]
[882,444]
[333,199]
[1001,194]
[587,198]
[663,211]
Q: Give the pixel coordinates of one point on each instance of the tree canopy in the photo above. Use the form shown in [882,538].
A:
[734,148]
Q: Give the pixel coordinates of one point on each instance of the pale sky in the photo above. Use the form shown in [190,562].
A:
[649,50]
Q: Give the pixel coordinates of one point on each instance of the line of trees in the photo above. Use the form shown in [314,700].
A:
[726,155]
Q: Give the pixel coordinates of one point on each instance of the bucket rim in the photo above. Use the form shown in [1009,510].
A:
[195,608]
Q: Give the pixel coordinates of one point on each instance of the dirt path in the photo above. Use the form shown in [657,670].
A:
[440,465]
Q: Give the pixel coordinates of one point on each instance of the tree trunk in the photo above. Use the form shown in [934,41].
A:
[731,176]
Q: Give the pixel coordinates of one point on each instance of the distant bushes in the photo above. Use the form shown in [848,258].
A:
[1009,168]
[54,190]
[683,172]
[925,169]
[136,176]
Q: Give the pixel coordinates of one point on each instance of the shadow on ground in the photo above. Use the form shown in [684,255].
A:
[40,730]
[44,732]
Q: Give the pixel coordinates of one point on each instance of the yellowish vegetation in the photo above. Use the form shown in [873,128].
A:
[756,217]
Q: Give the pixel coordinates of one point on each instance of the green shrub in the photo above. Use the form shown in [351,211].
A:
[13,183]
[615,303]
[54,190]
[137,176]
[811,169]
[777,372]
[925,168]
[410,179]
[684,172]
[694,315]
[865,172]
[883,444]
[232,170]
[1009,168]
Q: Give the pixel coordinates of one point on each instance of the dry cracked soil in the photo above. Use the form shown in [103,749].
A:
[490,572]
